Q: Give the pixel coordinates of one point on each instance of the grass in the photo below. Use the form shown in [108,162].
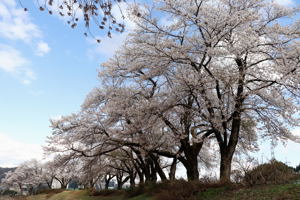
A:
[217,192]
[267,192]
[290,191]
[82,195]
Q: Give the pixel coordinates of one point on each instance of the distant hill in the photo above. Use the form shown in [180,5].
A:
[3,171]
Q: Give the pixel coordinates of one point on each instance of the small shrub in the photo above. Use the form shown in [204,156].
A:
[9,192]
[106,192]
[50,191]
[274,172]
[135,191]
[179,190]
[182,189]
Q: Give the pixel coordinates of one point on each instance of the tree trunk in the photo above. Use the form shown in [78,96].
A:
[49,185]
[147,170]
[192,171]
[91,183]
[107,179]
[132,182]
[173,169]
[153,172]
[225,167]
[63,182]
[190,162]
[227,147]
[157,167]
[141,177]
[106,184]
[120,184]
[21,188]
[63,186]
[132,176]
[227,150]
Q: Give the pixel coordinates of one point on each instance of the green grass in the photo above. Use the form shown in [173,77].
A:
[290,191]
[270,192]
[212,193]
[142,197]
[266,192]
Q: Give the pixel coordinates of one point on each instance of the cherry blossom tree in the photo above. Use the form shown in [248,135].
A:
[66,170]
[229,67]
[222,71]
[48,173]
[27,174]
[91,170]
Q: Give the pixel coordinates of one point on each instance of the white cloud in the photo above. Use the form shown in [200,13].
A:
[42,48]
[288,153]
[15,23]
[13,152]
[124,8]
[13,62]
[107,46]
[285,2]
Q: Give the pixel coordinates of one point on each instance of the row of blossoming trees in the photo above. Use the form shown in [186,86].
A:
[195,81]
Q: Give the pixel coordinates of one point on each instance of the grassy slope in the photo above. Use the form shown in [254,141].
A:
[275,192]
[270,192]
[81,195]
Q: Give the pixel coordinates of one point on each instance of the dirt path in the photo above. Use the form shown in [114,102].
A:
[11,198]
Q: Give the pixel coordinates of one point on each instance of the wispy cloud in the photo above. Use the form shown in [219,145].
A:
[108,46]
[285,2]
[13,152]
[42,48]
[15,24]
[12,61]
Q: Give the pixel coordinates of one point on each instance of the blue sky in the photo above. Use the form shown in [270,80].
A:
[46,70]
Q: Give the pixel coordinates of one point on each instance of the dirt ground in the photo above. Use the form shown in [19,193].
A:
[10,198]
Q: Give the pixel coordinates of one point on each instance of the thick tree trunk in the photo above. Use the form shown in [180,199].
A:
[107,179]
[191,159]
[227,147]
[147,177]
[63,182]
[225,167]
[119,179]
[63,186]
[192,171]
[120,185]
[148,170]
